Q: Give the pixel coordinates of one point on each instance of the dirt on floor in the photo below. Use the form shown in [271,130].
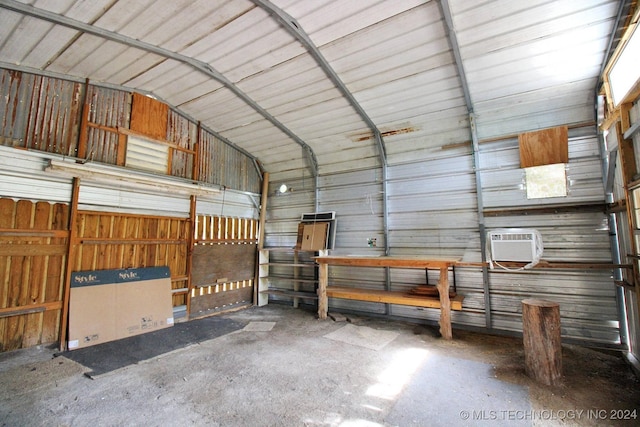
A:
[301,371]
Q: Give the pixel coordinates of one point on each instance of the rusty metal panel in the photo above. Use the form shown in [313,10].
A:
[183,133]
[110,108]
[224,165]
[39,112]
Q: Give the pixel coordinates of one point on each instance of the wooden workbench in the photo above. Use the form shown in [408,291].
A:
[441,263]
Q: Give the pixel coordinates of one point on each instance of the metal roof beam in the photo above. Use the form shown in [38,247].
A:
[295,29]
[453,42]
[201,66]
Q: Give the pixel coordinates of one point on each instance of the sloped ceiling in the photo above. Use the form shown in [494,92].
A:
[328,84]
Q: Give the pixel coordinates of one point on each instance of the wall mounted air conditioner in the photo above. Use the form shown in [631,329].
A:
[515,244]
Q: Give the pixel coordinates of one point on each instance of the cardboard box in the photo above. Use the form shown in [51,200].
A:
[108,305]
[314,236]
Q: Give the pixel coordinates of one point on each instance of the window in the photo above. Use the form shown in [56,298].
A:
[546,181]
[624,74]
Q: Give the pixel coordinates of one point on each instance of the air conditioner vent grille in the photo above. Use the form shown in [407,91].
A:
[516,244]
[512,236]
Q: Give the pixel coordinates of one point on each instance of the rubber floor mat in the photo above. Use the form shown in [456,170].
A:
[109,356]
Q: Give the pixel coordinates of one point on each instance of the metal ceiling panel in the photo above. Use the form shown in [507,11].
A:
[532,64]
[394,57]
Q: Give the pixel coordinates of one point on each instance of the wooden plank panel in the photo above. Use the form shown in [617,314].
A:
[42,221]
[544,147]
[129,252]
[149,116]
[201,304]
[37,282]
[55,276]
[151,232]
[89,252]
[7,214]
[118,231]
[117,241]
[18,276]
[37,275]
[215,262]
[104,231]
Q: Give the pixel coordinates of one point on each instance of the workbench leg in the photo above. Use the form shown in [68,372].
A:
[323,279]
[445,304]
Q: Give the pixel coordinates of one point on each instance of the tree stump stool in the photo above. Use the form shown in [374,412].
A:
[541,339]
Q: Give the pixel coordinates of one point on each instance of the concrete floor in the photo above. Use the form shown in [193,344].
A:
[286,368]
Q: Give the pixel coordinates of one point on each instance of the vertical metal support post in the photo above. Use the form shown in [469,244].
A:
[618,276]
[481,226]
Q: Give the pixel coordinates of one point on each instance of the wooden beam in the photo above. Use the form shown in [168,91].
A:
[132,241]
[12,232]
[84,120]
[263,209]
[73,243]
[190,248]
[26,249]
[29,309]
[625,117]
[613,117]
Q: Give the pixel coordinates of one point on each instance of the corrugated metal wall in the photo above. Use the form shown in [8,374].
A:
[432,210]
[577,231]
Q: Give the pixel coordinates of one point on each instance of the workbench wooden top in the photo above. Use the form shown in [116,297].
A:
[388,261]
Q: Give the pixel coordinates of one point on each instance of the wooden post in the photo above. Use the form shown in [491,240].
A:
[542,342]
[190,247]
[72,248]
[263,209]
[323,280]
[445,304]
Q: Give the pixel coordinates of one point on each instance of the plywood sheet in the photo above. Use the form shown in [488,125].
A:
[201,304]
[544,147]
[149,116]
[231,263]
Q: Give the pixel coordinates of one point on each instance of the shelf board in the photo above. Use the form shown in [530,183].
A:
[286,249]
[288,264]
[390,297]
[289,293]
[290,279]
